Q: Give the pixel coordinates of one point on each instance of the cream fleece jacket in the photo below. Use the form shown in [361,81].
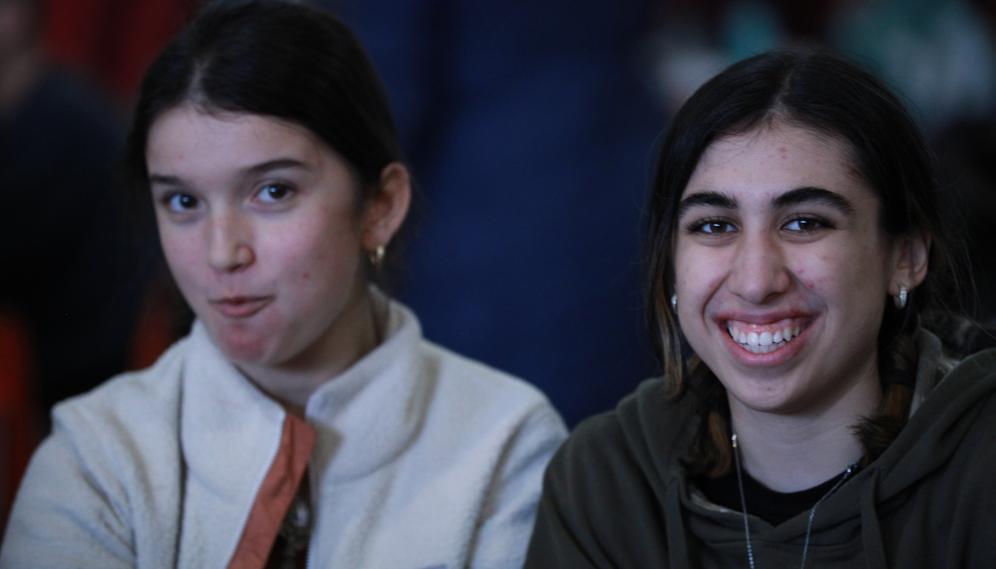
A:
[424,460]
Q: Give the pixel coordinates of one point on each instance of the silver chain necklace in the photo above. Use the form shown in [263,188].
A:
[812,513]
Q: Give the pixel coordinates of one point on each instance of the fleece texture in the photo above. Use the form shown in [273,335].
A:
[424,459]
[616,495]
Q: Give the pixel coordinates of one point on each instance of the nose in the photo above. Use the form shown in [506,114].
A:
[759,273]
[229,243]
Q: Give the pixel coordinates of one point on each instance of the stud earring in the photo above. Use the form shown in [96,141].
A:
[674,302]
[377,257]
[900,299]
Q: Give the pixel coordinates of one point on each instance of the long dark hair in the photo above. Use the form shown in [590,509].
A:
[277,59]
[825,92]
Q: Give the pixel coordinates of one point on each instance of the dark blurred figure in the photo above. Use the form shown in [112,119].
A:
[65,267]
[967,152]
[530,131]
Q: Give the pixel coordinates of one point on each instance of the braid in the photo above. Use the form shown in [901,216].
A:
[711,454]
[877,432]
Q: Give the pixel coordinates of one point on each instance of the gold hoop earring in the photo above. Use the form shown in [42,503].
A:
[900,299]
[377,257]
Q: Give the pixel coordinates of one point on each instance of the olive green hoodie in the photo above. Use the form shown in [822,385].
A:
[616,494]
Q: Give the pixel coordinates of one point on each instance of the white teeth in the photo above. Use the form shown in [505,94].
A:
[765,342]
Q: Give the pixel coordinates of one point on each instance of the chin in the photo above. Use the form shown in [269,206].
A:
[242,343]
[776,395]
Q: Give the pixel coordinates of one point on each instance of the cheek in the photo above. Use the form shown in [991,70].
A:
[184,256]
[700,272]
[838,271]
[318,262]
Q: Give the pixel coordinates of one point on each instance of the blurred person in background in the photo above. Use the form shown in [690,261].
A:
[530,127]
[66,268]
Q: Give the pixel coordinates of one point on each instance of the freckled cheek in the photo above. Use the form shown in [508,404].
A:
[322,264]
[825,274]
[697,282]
[186,262]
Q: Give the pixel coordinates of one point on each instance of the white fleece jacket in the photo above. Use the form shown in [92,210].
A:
[424,460]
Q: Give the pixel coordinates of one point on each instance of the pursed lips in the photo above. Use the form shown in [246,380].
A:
[240,306]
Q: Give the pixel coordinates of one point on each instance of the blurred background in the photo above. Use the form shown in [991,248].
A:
[530,127]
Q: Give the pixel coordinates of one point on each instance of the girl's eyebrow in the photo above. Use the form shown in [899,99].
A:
[269,165]
[797,196]
[161,180]
[713,199]
[249,171]
[814,195]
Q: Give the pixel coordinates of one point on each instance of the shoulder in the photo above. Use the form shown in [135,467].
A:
[131,404]
[605,493]
[645,431]
[480,396]
[605,455]
[107,476]
[125,431]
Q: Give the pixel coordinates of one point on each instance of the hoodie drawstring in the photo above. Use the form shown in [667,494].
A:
[677,543]
[871,533]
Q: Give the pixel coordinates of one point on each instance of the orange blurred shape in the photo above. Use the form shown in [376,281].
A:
[114,40]
[155,331]
[19,412]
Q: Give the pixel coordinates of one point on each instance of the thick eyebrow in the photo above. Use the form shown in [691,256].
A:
[814,195]
[714,199]
[159,179]
[276,164]
[254,170]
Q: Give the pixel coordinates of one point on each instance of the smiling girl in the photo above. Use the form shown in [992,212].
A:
[304,421]
[796,243]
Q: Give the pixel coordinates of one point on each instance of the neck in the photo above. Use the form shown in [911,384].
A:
[353,335]
[794,452]
[18,74]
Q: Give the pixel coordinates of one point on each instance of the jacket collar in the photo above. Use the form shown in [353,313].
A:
[368,414]
[230,430]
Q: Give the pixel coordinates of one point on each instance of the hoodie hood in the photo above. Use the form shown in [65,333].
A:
[947,401]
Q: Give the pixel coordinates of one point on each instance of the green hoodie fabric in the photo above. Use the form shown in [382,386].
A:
[616,494]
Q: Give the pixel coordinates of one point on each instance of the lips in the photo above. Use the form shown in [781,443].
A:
[241,306]
[768,339]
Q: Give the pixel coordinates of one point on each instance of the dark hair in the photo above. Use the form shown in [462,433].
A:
[829,94]
[277,59]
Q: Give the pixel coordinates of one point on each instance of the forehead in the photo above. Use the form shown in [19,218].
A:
[186,137]
[772,159]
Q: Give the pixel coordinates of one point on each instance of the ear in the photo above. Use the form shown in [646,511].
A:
[912,254]
[386,211]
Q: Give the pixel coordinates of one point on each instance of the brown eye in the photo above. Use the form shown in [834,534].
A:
[274,193]
[181,202]
[716,227]
[804,225]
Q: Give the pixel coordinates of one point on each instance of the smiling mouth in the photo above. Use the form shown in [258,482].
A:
[241,306]
[766,338]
